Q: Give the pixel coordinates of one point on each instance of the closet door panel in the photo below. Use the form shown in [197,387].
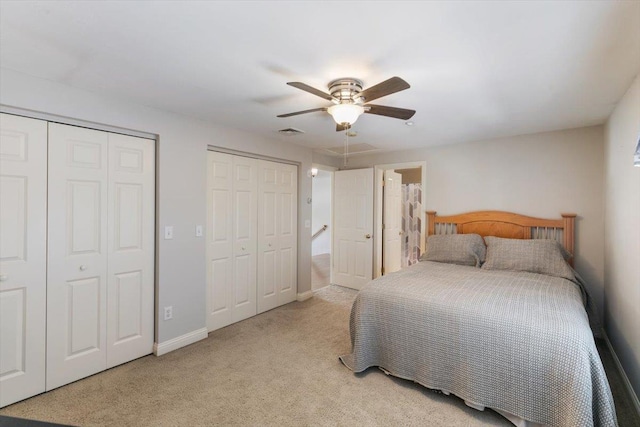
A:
[23,216]
[219,240]
[287,233]
[268,243]
[130,274]
[245,189]
[77,248]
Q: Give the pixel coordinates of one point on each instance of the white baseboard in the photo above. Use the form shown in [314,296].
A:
[304,296]
[623,374]
[179,342]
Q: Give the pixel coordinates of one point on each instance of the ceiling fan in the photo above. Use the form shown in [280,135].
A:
[350,100]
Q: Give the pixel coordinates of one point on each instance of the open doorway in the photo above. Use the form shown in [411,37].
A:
[321,228]
[399,216]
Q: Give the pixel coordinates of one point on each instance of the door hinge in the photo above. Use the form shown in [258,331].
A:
[383,226]
[382,271]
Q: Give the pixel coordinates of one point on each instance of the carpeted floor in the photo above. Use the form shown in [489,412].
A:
[320,271]
[279,368]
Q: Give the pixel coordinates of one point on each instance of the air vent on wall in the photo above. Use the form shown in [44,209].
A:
[291,131]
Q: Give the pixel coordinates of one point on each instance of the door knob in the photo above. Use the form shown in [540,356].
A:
[83,267]
[4,277]
[368,236]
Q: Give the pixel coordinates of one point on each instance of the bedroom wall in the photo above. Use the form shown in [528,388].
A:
[539,175]
[622,234]
[181,174]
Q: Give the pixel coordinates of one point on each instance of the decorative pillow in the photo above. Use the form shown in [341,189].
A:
[541,256]
[462,249]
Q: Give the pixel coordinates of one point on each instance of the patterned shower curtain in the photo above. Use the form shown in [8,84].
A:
[411,223]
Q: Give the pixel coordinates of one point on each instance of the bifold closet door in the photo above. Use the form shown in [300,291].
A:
[219,240]
[100,251]
[277,234]
[231,239]
[23,220]
[245,236]
[77,254]
[130,247]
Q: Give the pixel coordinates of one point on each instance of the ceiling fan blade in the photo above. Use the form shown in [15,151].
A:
[396,113]
[303,112]
[343,126]
[312,90]
[387,87]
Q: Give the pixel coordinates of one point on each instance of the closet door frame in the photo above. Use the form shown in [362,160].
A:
[49,118]
[289,294]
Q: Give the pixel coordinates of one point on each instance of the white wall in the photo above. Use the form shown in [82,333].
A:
[622,233]
[539,175]
[181,175]
[321,213]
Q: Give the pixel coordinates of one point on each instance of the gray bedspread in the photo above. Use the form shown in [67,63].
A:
[513,341]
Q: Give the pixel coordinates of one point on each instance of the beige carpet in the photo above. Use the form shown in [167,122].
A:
[320,271]
[280,368]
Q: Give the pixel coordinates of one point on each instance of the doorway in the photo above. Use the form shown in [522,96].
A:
[400,222]
[321,205]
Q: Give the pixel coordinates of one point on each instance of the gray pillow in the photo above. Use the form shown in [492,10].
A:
[462,249]
[542,256]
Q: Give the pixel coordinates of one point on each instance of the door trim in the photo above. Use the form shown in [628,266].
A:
[253,156]
[64,120]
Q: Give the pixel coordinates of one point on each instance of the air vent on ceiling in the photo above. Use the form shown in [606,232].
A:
[291,131]
[353,149]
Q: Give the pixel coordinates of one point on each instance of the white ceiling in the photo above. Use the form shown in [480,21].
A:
[478,70]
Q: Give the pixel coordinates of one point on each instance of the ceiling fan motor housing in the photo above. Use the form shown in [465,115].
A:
[346,90]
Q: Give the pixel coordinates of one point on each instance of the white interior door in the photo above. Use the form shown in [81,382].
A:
[277,234]
[392,222]
[245,237]
[219,240]
[353,228]
[130,274]
[23,269]
[77,254]
[288,233]
[268,242]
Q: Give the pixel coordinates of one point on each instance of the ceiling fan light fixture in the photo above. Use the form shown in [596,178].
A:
[345,113]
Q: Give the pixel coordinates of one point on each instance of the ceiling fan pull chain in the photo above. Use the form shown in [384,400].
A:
[346,146]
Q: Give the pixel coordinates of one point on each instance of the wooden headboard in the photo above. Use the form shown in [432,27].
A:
[506,224]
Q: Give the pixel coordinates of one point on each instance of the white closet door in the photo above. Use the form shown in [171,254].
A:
[245,233]
[219,240]
[77,254]
[130,274]
[268,242]
[277,234]
[23,220]
[288,233]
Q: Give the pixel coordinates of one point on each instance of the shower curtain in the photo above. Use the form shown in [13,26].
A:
[411,223]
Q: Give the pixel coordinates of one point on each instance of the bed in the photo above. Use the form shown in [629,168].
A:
[518,342]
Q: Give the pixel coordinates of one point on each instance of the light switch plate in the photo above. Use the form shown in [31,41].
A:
[198,231]
[168,232]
